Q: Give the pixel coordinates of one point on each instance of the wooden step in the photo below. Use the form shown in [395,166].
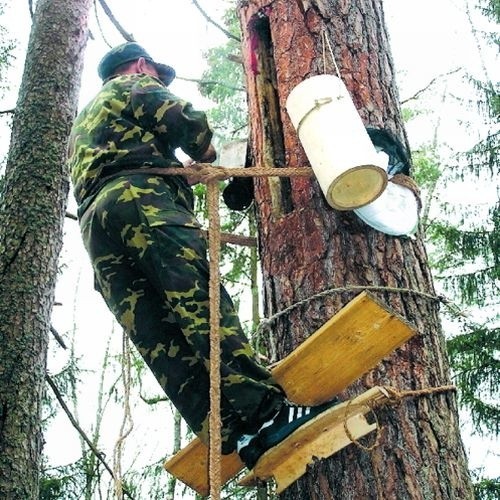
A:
[346,347]
[320,438]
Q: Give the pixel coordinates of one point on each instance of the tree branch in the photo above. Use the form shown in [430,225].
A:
[217,25]
[71,216]
[210,82]
[75,424]
[58,337]
[429,85]
[7,111]
[128,36]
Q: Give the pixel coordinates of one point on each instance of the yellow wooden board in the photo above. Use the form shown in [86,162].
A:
[317,439]
[348,345]
[190,465]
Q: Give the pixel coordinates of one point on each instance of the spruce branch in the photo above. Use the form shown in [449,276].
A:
[204,83]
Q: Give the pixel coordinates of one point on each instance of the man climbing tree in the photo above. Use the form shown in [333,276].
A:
[307,247]
[149,254]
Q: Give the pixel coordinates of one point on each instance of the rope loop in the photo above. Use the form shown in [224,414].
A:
[394,397]
[379,429]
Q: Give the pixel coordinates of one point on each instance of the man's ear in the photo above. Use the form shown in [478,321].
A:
[141,65]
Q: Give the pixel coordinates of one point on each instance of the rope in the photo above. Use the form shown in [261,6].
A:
[326,43]
[127,419]
[206,172]
[215,350]
[266,323]
[210,175]
[353,439]
[394,397]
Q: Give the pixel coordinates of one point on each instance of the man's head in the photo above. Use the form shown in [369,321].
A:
[124,55]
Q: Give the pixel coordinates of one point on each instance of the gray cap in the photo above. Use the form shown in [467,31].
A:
[128,52]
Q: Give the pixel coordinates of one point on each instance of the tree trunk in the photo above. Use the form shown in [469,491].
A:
[32,208]
[307,247]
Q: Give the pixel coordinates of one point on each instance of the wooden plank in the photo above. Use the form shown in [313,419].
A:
[338,353]
[190,465]
[348,345]
[320,438]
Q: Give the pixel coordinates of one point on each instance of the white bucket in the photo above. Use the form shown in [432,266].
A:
[349,170]
[394,212]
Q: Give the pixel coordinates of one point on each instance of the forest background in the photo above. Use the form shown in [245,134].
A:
[445,61]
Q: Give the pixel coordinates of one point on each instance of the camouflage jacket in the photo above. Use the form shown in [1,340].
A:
[134,121]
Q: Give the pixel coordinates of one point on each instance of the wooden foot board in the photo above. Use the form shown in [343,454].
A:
[319,438]
[347,346]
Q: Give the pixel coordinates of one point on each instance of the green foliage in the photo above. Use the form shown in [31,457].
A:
[50,488]
[468,268]
[482,158]
[491,9]
[67,482]
[7,46]
[476,373]
[486,488]
[223,82]
[427,170]
[464,240]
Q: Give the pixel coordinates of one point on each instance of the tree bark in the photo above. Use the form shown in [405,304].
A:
[307,247]
[32,208]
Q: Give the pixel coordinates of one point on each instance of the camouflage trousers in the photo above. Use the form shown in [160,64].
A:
[150,264]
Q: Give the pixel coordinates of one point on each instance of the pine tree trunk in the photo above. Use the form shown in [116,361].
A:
[32,208]
[307,247]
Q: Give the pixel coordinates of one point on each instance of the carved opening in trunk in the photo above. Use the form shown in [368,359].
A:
[264,71]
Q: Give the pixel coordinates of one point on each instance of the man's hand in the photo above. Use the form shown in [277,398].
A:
[209,155]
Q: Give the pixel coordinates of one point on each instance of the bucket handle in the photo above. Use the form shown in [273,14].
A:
[320,101]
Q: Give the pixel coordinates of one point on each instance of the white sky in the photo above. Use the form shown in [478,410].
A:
[428,38]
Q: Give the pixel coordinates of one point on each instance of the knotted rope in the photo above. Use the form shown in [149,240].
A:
[394,397]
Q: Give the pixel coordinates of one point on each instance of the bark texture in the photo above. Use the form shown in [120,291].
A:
[307,247]
[32,208]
